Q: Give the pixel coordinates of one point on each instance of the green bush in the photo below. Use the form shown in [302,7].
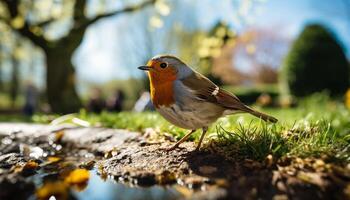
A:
[316,62]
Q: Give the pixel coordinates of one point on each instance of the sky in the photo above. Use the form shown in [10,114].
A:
[103,55]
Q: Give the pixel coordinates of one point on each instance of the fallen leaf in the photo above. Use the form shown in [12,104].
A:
[53,159]
[57,189]
[78,176]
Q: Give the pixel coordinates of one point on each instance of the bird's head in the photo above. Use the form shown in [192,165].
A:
[164,68]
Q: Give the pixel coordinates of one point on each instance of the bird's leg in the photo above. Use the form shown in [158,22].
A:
[205,129]
[184,138]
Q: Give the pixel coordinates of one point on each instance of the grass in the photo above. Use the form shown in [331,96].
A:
[258,141]
[317,127]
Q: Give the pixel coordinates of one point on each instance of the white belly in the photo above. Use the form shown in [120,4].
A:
[194,117]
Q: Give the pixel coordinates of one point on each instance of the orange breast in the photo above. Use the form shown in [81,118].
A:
[162,90]
[162,95]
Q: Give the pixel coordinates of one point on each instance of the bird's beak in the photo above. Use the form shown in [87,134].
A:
[145,68]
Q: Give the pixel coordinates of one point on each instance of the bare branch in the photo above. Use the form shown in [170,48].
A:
[124,10]
[79,9]
[44,23]
[12,6]
[24,30]
[37,40]
[76,34]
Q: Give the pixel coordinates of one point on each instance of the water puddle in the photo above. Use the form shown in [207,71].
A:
[110,189]
[97,188]
[45,167]
[52,170]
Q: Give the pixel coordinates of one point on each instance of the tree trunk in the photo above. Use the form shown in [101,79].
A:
[1,81]
[14,82]
[60,81]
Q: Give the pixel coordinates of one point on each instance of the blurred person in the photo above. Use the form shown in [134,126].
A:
[143,103]
[115,102]
[31,99]
[96,102]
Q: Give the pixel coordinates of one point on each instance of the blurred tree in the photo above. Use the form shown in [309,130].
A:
[316,62]
[38,21]
[1,73]
[266,74]
[211,47]
[253,57]
[14,86]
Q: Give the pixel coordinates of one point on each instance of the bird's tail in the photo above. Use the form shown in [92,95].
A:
[263,116]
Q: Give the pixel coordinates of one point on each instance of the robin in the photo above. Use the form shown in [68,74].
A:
[188,99]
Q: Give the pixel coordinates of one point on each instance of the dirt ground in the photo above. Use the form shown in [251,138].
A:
[138,159]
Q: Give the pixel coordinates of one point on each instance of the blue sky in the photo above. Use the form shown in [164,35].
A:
[104,53]
[294,14]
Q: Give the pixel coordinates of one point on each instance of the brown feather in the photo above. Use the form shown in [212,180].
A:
[204,89]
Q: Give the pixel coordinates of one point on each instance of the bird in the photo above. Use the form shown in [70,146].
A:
[188,99]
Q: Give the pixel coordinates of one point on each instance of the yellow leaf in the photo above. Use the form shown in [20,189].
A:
[53,159]
[57,189]
[78,176]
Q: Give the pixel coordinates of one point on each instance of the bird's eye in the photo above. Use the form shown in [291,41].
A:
[163,65]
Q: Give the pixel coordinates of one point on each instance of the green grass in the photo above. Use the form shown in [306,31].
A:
[15,118]
[317,127]
[5,101]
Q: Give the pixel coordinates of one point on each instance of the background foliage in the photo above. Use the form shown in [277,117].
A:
[316,62]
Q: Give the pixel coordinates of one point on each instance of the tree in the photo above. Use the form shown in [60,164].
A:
[25,18]
[14,86]
[316,62]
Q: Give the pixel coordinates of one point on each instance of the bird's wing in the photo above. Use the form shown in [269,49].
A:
[206,90]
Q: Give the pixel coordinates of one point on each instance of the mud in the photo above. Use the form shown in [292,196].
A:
[135,159]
